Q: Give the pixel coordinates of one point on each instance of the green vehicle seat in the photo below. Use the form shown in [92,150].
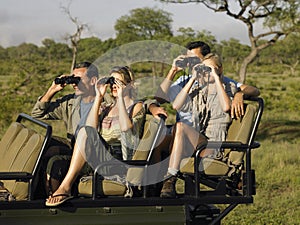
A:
[20,150]
[136,167]
[239,142]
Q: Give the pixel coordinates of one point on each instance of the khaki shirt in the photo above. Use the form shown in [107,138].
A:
[66,109]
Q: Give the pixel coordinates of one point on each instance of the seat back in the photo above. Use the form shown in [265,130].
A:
[243,130]
[7,140]
[135,175]
[20,150]
[144,151]
[240,130]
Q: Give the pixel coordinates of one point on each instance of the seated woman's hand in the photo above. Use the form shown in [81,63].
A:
[100,88]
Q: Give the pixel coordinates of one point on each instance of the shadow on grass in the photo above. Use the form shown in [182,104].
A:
[279,130]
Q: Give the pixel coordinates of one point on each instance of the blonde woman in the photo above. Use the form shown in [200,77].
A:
[208,99]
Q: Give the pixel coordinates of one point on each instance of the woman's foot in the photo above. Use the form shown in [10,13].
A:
[59,197]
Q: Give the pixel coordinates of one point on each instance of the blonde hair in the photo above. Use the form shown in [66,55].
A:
[128,77]
[125,71]
[216,58]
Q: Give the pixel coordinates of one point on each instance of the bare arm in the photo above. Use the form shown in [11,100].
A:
[125,121]
[237,107]
[93,117]
[53,89]
[223,97]
[250,90]
[162,93]
[156,110]
[183,94]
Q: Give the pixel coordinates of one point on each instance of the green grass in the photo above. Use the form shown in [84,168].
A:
[277,161]
[278,186]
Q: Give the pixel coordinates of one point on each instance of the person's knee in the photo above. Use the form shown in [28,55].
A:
[87,134]
[179,129]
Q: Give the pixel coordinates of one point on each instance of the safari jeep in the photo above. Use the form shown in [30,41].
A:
[206,182]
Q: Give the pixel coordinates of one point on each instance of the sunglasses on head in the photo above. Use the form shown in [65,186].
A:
[123,70]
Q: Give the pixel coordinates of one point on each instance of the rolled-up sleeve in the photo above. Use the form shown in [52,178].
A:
[40,109]
[49,110]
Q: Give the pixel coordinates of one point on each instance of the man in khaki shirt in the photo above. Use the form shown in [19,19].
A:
[72,109]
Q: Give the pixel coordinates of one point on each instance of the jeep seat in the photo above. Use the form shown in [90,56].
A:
[239,142]
[21,149]
[136,167]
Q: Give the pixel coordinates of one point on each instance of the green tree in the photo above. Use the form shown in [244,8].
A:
[55,52]
[89,49]
[188,34]
[143,24]
[285,53]
[281,17]
[233,53]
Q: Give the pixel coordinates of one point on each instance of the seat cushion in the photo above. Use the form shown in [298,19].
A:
[23,159]
[8,138]
[209,166]
[106,187]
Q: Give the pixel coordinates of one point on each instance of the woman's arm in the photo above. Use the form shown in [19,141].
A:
[183,94]
[223,97]
[93,117]
[125,122]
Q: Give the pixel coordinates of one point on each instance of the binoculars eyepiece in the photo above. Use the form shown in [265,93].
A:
[202,69]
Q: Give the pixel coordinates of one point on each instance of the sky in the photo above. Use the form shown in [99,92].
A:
[32,21]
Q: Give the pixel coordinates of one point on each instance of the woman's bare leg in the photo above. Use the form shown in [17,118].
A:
[77,163]
[185,142]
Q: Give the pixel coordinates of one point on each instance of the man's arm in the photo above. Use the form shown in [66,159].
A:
[44,105]
[237,105]
[249,90]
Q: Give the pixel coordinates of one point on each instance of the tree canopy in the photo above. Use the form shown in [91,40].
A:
[143,24]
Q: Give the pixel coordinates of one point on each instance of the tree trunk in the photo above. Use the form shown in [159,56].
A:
[247,60]
[154,74]
[74,58]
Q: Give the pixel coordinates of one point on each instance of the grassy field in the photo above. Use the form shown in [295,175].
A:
[278,186]
[277,161]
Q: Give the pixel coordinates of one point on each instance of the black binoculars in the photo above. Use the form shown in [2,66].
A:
[107,80]
[202,69]
[67,80]
[189,61]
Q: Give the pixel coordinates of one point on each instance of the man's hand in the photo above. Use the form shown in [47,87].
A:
[156,110]
[237,105]
[53,89]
